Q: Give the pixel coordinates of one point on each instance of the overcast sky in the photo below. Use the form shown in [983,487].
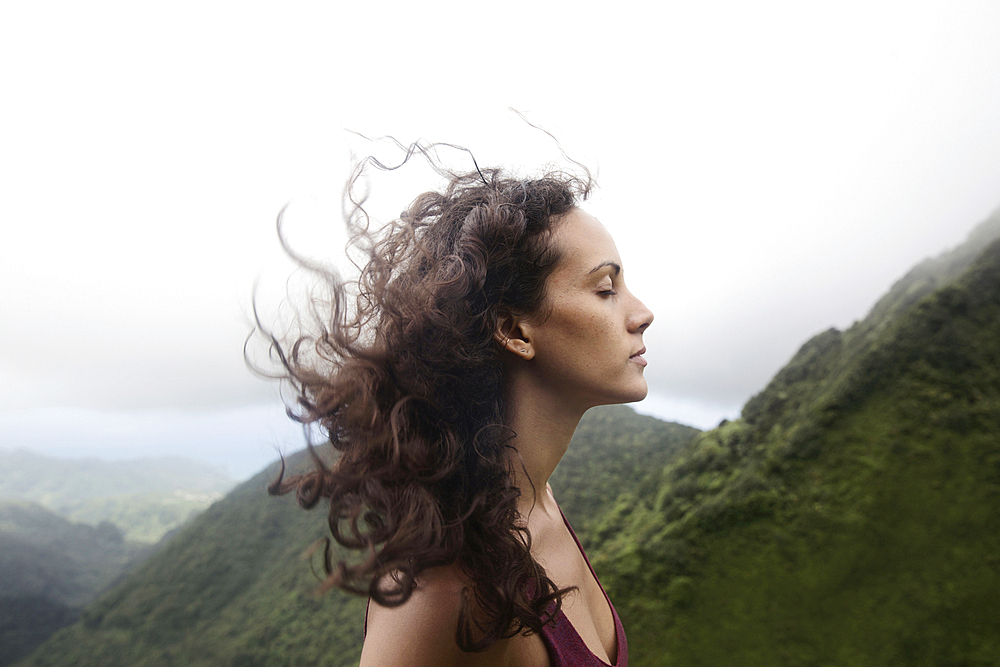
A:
[768,170]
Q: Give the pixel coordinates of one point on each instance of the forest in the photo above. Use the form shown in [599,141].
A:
[70,528]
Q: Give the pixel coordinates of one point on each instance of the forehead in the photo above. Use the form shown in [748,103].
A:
[582,243]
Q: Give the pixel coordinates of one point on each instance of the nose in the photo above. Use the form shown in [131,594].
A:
[641,318]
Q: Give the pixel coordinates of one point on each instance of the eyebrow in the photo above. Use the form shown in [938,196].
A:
[616,267]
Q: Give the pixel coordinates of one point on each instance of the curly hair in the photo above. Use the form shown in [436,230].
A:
[408,383]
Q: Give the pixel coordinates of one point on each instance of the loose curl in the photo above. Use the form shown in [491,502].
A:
[408,382]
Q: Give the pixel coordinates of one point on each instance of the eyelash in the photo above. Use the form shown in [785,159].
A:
[607,292]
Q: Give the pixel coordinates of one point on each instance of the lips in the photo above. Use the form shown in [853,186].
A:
[638,358]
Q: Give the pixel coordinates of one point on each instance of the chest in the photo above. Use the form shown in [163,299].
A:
[586,608]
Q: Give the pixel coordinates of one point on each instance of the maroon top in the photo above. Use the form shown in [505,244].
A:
[563,642]
[566,647]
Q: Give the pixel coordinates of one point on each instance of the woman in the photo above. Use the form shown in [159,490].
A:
[486,320]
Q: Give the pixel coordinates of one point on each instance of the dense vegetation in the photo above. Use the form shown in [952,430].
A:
[232,587]
[850,517]
[612,447]
[70,527]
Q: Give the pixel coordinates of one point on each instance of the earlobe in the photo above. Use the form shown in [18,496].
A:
[511,337]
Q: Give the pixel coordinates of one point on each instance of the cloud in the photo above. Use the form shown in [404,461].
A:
[767,171]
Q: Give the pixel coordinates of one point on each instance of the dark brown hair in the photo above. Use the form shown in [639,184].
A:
[406,378]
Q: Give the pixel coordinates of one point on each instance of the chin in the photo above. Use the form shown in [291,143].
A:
[641,389]
[637,394]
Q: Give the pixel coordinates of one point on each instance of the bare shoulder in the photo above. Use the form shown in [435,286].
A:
[421,632]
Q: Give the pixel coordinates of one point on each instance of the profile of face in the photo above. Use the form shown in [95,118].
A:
[586,343]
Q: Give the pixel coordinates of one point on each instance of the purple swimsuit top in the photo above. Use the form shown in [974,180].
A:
[565,646]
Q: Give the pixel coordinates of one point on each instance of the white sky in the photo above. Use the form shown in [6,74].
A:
[768,170]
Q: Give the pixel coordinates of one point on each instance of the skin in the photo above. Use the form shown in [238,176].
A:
[580,351]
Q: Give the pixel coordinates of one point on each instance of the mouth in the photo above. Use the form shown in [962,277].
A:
[638,358]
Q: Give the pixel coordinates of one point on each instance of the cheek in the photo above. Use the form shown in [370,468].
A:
[575,327]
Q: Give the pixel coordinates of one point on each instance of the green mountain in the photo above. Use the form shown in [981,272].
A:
[612,448]
[852,516]
[232,588]
[49,569]
[71,527]
[145,498]
[229,588]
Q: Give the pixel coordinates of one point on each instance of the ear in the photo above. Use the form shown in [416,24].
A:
[511,335]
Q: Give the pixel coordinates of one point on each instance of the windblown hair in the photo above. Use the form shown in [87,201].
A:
[406,377]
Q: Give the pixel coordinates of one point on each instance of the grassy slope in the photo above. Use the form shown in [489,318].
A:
[851,517]
[231,587]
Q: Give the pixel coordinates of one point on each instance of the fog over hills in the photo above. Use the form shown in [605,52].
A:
[850,516]
[144,498]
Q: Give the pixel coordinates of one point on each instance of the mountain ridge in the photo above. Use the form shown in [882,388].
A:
[851,516]
[50,567]
[822,356]
[145,498]
[872,446]
[232,588]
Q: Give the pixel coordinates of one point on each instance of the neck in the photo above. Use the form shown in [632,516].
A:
[543,425]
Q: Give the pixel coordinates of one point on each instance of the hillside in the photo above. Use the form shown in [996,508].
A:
[612,448]
[852,516]
[71,527]
[145,498]
[49,569]
[229,588]
[232,588]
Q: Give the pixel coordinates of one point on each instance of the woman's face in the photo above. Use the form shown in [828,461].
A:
[589,347]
